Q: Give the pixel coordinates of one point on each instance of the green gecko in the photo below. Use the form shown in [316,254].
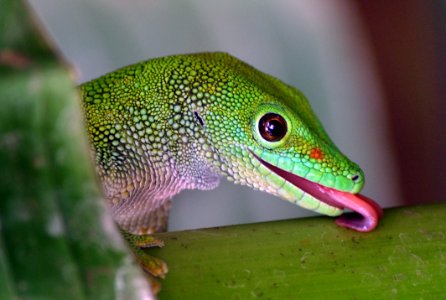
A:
[183,121]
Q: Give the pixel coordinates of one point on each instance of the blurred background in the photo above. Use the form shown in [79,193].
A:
[374,71]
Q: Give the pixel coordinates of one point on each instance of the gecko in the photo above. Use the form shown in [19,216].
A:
[184,121]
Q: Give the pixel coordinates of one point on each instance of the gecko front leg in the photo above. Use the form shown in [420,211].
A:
[140,238]
[140,204]
[138,216]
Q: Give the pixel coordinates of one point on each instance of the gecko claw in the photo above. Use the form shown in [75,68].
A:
[152,265]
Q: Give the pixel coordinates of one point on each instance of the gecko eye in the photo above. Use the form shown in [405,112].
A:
[272,127]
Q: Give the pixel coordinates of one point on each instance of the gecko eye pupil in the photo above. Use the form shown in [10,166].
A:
[272,127]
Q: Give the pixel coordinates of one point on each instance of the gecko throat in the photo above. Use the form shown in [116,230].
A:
[366,212]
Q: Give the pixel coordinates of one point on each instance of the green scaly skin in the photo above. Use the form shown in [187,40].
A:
[181,122]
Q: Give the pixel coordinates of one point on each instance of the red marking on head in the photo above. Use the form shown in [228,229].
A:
[316,153]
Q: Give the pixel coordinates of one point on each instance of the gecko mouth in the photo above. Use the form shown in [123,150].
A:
[366,212]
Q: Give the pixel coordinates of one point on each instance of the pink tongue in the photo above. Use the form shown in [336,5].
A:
[366,211]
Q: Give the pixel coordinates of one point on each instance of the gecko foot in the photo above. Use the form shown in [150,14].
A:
[153,266]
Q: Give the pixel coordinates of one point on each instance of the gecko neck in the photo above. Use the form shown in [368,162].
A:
[139,198]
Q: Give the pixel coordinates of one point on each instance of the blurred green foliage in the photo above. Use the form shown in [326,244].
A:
[56,238]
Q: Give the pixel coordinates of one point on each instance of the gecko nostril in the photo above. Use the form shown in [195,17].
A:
[355,177]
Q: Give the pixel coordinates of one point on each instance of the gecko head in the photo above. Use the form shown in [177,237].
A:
[281,139]
[264,134]
[277,150]
[296,160]
[285,157]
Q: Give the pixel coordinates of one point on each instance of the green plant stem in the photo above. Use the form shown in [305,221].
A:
[405,258]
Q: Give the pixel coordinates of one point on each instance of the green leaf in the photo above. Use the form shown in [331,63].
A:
[6,283]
